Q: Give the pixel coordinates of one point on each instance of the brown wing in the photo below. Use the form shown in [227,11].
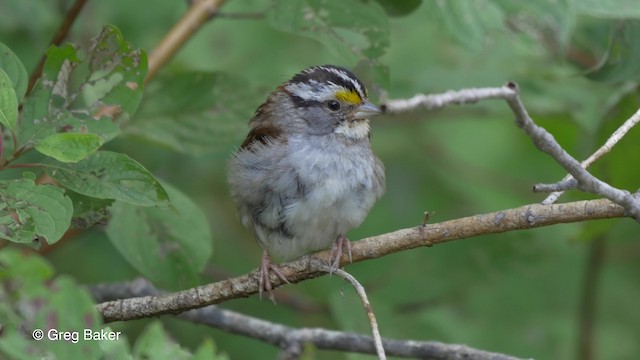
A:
[262,128]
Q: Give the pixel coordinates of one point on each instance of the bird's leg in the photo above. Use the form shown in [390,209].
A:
[264,282]
[335,255]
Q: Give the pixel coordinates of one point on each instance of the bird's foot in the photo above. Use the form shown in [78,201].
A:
[264,281]
[335,255]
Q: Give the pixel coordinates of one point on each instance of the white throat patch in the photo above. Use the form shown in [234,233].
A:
[354,130]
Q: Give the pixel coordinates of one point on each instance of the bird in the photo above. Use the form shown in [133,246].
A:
[305,173]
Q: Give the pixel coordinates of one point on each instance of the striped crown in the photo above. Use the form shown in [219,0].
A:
[326,82]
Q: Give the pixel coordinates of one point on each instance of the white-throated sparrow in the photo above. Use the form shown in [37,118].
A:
[305,174]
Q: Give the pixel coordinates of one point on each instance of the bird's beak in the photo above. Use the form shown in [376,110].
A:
[366,110]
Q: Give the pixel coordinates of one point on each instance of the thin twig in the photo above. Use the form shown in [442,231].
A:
[287,337]
[545,142]
[437,101]
[604,149]
[525,217]
[541,138]
[60,35]
[568,183]
[377,339]
[197,15]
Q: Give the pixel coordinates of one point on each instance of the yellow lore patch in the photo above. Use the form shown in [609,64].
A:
[349,96]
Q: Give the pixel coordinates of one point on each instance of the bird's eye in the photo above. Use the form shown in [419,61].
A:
[333,105]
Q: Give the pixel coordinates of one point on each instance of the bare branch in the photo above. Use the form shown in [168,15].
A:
[542,139]
[437,101]
[568,183]
[604,149]
[199,13]
[525,217]
[545,142]
[377,339]
[289,338]
[60,35]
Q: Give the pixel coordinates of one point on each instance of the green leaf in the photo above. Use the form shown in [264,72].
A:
[52,306]
[67,307]
[155,343]
[169,246]
[352,29]
[45,109]
[468,22]
[13,67]
[69,147]
[85,95]
[31,269]
[554,18]
[207,351]
[399,7]
[213,120]
[613,9]
[29,211]
[117,72]
[109,175]
[622,60]
[8,102]
[88,211]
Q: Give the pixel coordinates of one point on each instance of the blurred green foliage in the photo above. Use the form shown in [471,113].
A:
[519,293]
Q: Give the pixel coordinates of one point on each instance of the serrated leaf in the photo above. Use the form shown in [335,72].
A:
[109,175]
[14,68]
[8,102]
[169,246]
[172,116]
[85,95]
[352,29]
[69,147]
[30,211]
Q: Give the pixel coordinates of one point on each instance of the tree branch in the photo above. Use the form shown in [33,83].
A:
[287,337]
[545,142]
[377,339]
[60,35]
[437,101]
[604,149]
[199,12]
[525,217]
[542,139]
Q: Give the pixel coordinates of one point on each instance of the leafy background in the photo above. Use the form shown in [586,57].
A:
[520,293]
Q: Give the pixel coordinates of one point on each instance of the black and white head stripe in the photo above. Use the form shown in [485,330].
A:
[321,83]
